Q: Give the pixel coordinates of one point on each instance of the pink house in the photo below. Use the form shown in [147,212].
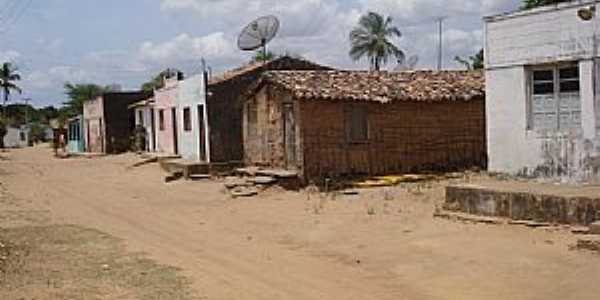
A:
[166,117]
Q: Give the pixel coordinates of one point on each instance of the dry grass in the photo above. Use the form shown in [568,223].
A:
[69,262]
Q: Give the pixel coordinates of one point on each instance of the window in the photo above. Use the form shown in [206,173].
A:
[140,117]
[555,100]
[187,119]
[357,127]
[161,120]
[22,136]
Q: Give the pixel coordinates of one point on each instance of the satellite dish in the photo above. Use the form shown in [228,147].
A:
[258,33]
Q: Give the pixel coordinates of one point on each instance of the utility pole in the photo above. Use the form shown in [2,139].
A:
[440,21]
[26,101]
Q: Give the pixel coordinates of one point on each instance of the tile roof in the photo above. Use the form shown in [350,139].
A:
[279,63]
[384,87]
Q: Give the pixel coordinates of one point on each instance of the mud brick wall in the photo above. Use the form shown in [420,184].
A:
[403,137]
[225,107]
[523,206]
[265,146]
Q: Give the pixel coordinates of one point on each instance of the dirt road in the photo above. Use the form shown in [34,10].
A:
[381,244]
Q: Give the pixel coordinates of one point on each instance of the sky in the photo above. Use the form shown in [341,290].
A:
[126,42]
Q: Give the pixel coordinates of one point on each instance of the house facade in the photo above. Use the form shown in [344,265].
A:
[75,135]
[542,83]
[344,123]
[145,117]
[225,108]
[16,137]
[166,117]
[192,119]
[108,122]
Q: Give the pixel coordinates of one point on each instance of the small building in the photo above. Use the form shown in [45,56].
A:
[344,123]
[192,119]
[224,104]
[145,117]
[75,137]
[16,137]
[108,123]
[542,85]
[166,117]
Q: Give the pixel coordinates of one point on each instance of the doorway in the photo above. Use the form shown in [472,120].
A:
[201,134]
[174,125]
[289,135]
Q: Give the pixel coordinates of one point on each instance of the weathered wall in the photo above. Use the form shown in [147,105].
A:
[165,99]
[190,93]
[225,108]
[518,205]
[403,137]
[539,36]
[93,121]
[146,122]
[266,145]
[119,120]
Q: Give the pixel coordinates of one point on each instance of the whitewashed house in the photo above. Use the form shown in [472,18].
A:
[542,85]
[192,134]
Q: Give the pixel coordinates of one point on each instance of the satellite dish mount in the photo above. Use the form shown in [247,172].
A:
[258,34]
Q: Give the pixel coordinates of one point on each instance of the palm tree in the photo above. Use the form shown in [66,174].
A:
[371,39]
[8,76]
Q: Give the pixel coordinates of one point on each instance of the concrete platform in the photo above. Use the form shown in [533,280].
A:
[559,204]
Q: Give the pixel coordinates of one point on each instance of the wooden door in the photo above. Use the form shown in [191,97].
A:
[289,136]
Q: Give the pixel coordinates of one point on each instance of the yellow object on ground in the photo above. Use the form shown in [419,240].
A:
[392,180]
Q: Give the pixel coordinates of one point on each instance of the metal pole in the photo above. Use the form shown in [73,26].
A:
[26,100]
[440,42]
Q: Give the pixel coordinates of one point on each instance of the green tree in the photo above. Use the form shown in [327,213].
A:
[157,81]
[8,76]
[371,39]
[528,4]
[473,62]
[79,93]
[260,55]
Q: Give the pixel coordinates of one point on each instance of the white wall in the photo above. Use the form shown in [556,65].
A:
[190,93]
[147,123]
[514,42]
[541,35]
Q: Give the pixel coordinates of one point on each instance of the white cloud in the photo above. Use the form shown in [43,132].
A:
[53,77]
[182,48]
[9,56]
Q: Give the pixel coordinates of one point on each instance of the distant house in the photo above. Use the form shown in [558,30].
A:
[75,136]
[543,83]
[144,116]
[224,103]
[166,116]
[16,137]
[108,123]
[337,123]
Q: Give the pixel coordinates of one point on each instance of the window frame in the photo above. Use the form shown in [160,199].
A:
[161,120]
[187,119]
[557,95]
[351,113]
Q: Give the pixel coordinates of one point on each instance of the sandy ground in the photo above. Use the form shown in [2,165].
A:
[381,244]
